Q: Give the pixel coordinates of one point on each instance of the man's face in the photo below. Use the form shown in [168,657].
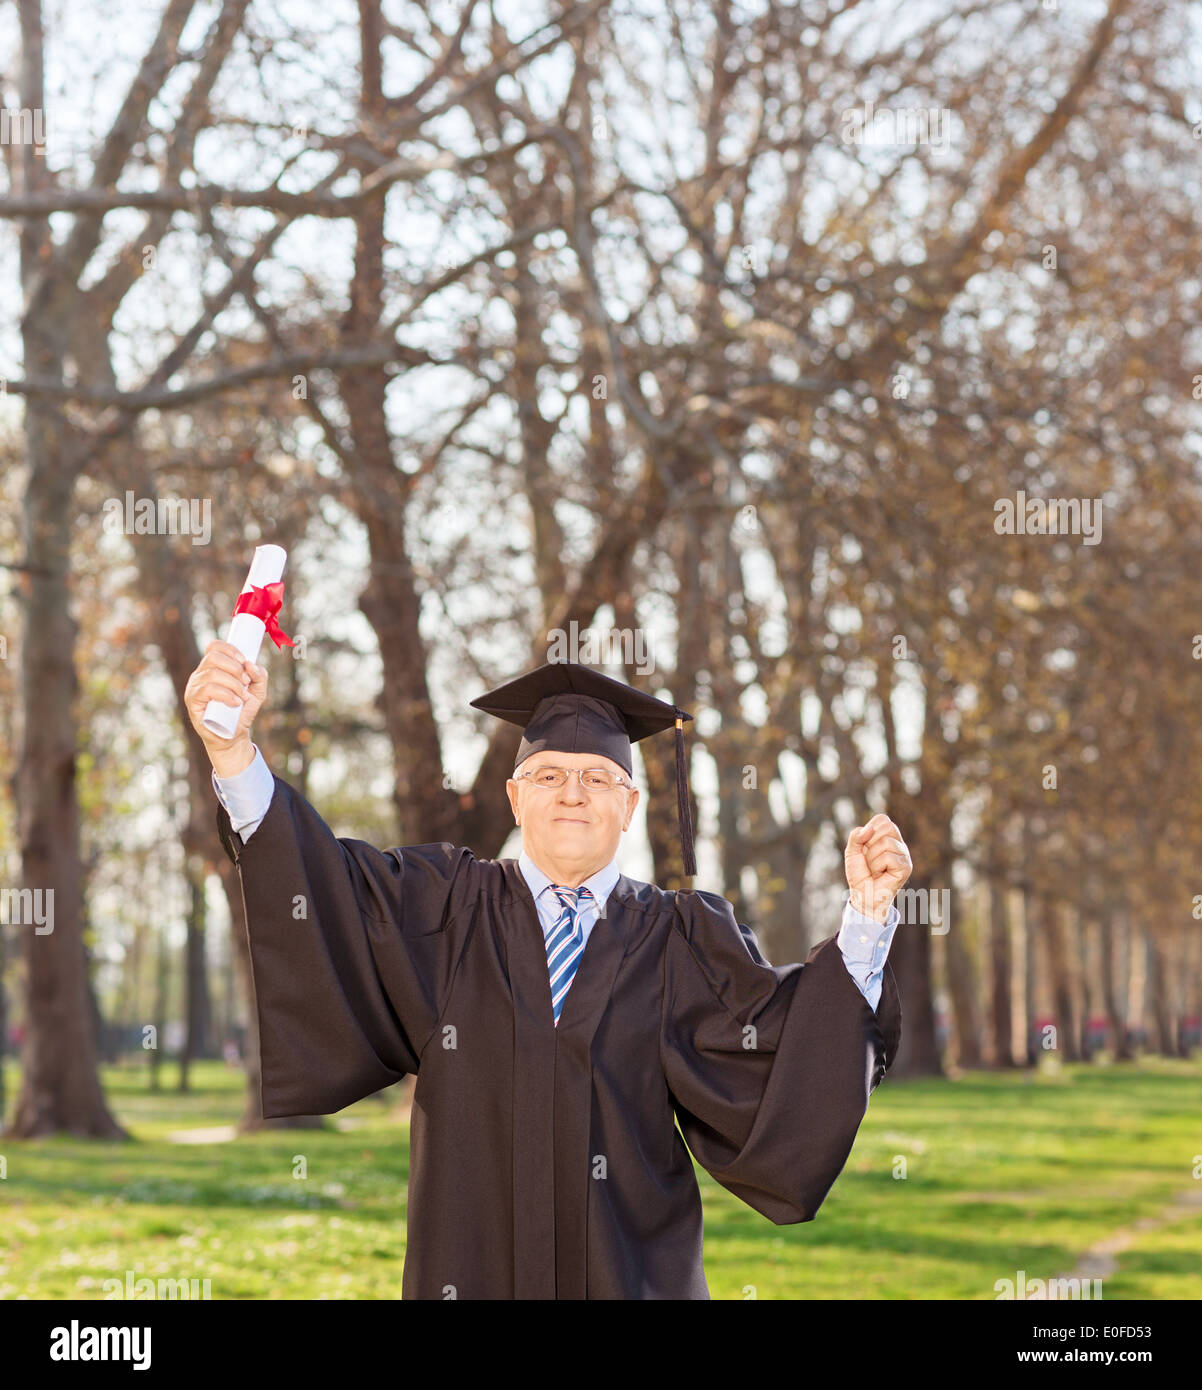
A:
[570,832]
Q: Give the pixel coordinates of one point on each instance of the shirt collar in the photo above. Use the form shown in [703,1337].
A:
[600,885]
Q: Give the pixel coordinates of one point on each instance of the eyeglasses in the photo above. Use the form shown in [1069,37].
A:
[592,779]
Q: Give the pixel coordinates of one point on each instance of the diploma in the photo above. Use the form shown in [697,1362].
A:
[254,615]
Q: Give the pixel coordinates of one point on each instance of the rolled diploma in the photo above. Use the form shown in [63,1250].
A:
[246,633]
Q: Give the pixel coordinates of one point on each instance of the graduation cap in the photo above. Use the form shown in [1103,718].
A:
[567,708]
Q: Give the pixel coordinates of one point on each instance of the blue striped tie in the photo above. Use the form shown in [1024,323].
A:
[565,944]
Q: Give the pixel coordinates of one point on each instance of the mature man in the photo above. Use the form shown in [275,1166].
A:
[561,1018]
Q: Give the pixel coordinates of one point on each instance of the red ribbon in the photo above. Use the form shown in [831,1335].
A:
[264,602]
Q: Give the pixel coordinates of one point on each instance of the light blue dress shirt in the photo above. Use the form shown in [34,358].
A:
[863,941]
[600,886]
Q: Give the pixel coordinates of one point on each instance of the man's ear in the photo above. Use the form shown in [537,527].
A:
[632,801]
[511,789]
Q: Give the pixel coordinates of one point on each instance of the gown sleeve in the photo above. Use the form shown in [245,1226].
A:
[350,953]
[769,1067]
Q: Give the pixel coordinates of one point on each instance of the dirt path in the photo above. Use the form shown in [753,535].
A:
[1101,1259]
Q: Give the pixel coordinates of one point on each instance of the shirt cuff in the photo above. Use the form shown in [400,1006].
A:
[864,939]
[247,795]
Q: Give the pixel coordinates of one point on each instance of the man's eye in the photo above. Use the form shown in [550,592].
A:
[596,780]
[547,779]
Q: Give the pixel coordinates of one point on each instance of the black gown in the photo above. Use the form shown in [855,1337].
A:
[545,1162]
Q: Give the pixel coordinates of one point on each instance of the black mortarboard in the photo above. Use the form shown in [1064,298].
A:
[567,708]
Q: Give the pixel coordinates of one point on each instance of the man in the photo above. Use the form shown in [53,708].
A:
[561,1018]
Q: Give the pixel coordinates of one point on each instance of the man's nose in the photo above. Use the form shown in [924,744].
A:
[572,792]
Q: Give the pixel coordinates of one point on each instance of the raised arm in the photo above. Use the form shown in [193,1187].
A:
[769,1068]
[351,952]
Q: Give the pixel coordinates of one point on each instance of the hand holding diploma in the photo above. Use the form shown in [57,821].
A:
[228,688]
[225,675]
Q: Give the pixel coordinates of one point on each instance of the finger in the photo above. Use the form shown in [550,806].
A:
[223,661]
[881,860]
[886,849]
[226,648]
[889,843]
[222,653]
[891,874]
[224,697]
[220,686]
[889,846]
[881,825]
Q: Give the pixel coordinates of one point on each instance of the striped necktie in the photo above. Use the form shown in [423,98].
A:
[565,944]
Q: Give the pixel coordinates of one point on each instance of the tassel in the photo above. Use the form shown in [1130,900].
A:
[683,809]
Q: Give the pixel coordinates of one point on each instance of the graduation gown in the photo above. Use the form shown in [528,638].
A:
[546,1162]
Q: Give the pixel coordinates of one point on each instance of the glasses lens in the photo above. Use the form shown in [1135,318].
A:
[593,779]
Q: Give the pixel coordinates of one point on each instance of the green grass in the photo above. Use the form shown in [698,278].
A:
[1001,1173]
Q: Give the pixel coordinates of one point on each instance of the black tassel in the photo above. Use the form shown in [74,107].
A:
[683,809]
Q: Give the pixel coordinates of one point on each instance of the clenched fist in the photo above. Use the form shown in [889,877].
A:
[877,863]
[224,674]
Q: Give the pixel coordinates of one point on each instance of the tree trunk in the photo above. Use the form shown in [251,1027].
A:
[1110,935]
[910,957]
[162,965]
[3,1023]
[964,989]
[1191,1012]
[1093,1018]
[1063,1001]
[1002,963]
[1137,981]
[60,1085]
[426,809]
[1161,1001]
[1037,1012]
[197,1037]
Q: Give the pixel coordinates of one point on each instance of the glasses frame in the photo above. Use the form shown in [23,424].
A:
[620,782]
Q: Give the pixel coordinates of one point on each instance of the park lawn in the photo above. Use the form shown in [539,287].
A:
[1002,1173]
[952,1185]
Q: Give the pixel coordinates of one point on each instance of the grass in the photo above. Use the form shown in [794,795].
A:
[951,1186]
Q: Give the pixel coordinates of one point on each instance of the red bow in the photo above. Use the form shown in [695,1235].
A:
[264,602]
